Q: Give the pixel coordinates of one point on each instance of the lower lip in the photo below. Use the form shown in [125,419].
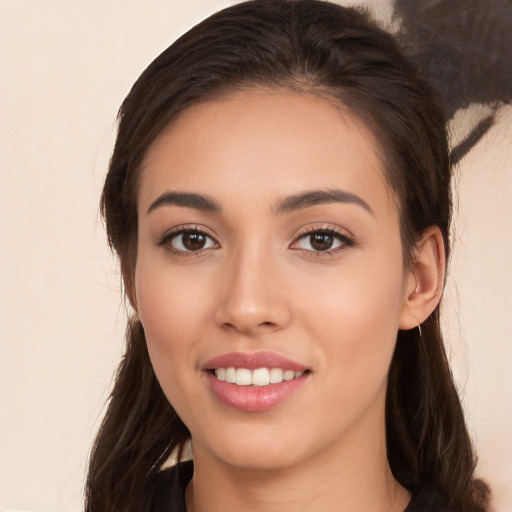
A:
[254,398]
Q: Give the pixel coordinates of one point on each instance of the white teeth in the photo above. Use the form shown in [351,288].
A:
[243,377]
[276,375]
[257,377]
[261,377]
[230,375]
[289,375]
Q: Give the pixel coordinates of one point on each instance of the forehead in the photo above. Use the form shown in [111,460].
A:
[261,144]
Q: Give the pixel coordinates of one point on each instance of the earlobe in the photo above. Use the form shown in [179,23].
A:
[425,282]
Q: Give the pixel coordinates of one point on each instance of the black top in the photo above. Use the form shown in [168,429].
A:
[169,492]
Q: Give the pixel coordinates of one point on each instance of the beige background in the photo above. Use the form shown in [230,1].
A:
[65,66]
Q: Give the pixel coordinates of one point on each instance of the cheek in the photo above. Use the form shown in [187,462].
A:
[354,317]
[171,299]
[173,308]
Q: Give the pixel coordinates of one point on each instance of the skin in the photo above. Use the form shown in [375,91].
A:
[260,285]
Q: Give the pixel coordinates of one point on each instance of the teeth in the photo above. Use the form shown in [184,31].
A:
[261,377]
[289,375]
[276,375]
[243,377]
[258,377]
[231,375]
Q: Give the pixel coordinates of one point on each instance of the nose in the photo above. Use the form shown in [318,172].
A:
[253,298]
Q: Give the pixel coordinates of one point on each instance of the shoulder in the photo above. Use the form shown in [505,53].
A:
[168,490]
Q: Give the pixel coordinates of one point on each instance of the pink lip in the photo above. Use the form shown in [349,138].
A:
[253,361]
[254,398]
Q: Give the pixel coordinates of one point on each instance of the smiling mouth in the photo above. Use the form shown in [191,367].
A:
[255,382]
[257,377]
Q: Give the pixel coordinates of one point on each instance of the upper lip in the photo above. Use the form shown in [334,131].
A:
[253,361]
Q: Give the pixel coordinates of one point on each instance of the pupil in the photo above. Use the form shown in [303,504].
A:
[194,241]
[322,241]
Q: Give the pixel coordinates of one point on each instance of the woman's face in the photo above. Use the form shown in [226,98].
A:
[269,253]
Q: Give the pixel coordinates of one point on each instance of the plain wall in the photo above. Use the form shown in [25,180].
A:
[65,67]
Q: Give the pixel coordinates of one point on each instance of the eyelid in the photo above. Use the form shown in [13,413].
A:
[164,240]
[323,227]
[343,235]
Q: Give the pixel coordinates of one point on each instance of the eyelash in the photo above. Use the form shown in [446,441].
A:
[165,240]
[344,239]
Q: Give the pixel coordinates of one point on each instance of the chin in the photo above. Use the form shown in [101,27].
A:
[259,459]
[250,450]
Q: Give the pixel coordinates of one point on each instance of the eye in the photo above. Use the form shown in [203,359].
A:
[322,240]
[187,240]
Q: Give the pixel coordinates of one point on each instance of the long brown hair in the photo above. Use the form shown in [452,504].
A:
[310,47]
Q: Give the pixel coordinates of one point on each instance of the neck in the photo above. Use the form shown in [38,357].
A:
[352,476]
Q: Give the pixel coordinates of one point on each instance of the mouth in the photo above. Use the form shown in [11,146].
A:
[254,382]
[257,377]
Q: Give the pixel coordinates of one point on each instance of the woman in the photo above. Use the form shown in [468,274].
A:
[279,197]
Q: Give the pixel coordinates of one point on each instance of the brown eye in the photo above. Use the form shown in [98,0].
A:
[321,241]
[187,241]
[193,241]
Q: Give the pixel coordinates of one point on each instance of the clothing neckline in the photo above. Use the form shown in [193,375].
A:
[168,492]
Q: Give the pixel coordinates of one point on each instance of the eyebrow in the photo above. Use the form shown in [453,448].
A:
[288,204]
[314,197]
[186,199]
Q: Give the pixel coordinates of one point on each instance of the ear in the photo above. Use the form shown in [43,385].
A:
[425,281]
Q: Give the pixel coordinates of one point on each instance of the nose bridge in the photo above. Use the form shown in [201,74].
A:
[251,295]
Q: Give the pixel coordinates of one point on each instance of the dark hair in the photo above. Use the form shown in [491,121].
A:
[310,47]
